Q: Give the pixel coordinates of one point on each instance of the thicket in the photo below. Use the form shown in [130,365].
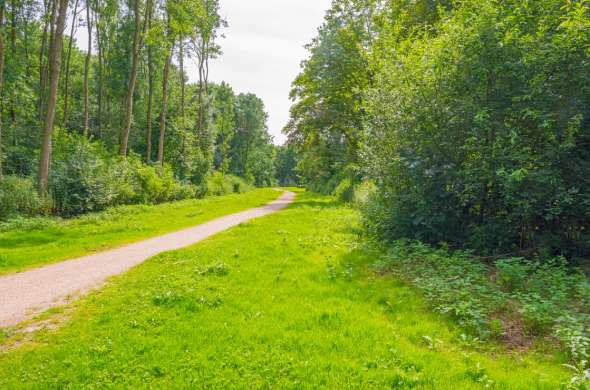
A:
[471,118]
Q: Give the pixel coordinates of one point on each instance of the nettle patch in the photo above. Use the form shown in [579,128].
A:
[514,300]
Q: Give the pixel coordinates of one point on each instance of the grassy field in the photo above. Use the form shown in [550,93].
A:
[286,301]
[38,241]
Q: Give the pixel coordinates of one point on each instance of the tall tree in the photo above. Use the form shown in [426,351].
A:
[54,69]
[164,110]
[2,9]
[68,59]
[86,70]
[124,137]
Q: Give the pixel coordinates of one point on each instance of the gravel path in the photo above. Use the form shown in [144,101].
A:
[26,294]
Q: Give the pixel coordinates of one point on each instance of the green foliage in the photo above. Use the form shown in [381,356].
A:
[19,197]
[86,178]
[219,184]
[327,116]
[363,192]
[543,299]
[286,162]
[482,128]
[344,191]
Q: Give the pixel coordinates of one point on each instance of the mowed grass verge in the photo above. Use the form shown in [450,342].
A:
[39,241]
[285,301]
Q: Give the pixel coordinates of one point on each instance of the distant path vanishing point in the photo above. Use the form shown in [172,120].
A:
[26,294]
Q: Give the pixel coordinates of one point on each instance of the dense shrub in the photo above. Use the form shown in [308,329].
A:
[479,128]
[219,184]
[86,178]
[344,191]
[19,197]
[363,193]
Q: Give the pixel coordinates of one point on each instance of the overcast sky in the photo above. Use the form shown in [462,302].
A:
[263,48]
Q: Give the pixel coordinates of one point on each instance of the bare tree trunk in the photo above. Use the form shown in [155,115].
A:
[13,49]
[48,17]
[164,107]
[2,8]
[86,70]
[182,101]
[54,66]
[100,74]
[67,70]
[124,141]
[182,87]
[148,135]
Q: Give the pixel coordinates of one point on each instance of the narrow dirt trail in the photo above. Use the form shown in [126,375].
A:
[29,293]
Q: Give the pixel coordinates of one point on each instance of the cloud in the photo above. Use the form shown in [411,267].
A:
[264,47]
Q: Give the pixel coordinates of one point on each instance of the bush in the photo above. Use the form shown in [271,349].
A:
[86,178]
[19,197]
[504,173]
[344,191]
[363,193]
[219,184]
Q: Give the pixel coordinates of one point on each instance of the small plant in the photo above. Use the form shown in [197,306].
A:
[217,269]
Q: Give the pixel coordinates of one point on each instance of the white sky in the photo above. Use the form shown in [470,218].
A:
[262,50]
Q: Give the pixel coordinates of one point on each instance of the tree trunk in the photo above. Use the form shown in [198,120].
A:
[182,87]
[2,7]
[124,141]
[13,49]
[67,70]
[54,66]
[86,70]
[100,75]
[164,107]
[148,136]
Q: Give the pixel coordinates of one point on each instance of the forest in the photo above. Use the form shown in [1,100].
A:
[425,225]
[119,123]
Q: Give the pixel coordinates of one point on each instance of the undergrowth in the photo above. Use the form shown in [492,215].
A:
[515,300]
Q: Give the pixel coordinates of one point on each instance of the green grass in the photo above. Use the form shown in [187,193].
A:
[285,301]
[40,241]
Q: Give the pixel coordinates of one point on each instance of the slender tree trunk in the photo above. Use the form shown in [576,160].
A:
[182,101]
[48,18]
[86,69]
[148,135]
[182,85]
[67,70]
[2,8]
[13,50]
[164,107]
[54,66]
[124,141]
[100,73]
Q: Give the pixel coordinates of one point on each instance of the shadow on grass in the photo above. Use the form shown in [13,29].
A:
[315,200]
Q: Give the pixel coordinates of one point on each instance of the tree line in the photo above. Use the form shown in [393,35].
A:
[470,119]
[126,94]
